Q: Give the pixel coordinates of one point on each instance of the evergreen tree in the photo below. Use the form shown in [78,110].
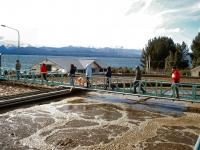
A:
[164,54]
[185,50]
[185,55]
[143,59]
[178,56]
[157,50]
[169,61]
[195,47]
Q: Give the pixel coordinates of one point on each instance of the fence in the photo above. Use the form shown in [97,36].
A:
[186,91]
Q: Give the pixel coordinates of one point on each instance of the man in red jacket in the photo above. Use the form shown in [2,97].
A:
[175,80]
[43,70]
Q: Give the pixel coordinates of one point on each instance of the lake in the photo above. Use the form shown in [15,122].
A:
[28,61]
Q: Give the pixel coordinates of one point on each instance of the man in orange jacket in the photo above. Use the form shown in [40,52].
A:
[43,70]
[175,80]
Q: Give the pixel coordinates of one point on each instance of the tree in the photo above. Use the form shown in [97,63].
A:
[158,49]
[164,53]
[178,58]
[143,59]
[195,47]
[185,55]
[185,50]
[169,61]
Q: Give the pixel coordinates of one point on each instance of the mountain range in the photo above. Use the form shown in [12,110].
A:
[71,51]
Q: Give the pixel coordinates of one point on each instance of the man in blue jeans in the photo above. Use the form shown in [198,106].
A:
[136,83]
[88,72]
[18,68]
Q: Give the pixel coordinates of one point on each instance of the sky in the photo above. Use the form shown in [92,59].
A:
[98,23]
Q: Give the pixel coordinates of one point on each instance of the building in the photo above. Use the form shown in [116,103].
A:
[62,65]
[195,72]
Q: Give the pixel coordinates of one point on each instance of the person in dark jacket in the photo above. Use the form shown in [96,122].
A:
[108,78]
[175,81]
[88,73]
[138,77]
[72,74]
[18,68]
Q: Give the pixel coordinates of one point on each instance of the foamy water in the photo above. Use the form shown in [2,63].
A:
[100,121]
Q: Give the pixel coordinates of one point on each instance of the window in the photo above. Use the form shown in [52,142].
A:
[49,67]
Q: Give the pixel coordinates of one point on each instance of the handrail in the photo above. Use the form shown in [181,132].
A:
[187,91]
[197,145]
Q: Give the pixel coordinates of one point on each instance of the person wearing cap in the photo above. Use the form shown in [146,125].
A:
[108,79]
[175,81]
[138,77]
[72,74]
[18,68]
[88,72]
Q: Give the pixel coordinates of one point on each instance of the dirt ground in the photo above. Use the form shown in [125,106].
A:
[11,89]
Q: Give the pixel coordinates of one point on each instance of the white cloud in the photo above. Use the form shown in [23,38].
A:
[139,6]
[168,31]
[98,23]
[174,30]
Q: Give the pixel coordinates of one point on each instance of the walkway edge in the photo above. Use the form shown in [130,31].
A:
[40,96]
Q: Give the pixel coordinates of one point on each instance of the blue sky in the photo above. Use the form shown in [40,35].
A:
[98,23]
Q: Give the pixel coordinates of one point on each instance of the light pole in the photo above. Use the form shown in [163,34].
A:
[18,43]
[17,33]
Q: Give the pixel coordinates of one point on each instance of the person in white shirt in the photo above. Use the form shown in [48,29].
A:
[88,72]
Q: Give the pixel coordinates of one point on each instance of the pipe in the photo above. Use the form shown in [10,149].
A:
[197,145]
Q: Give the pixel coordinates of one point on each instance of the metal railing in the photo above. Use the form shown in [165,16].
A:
[186,91]
[197,145]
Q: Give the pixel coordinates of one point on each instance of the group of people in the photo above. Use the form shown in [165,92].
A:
[138,76]
[88,73]
[137,81]
[43,70]
[175,81]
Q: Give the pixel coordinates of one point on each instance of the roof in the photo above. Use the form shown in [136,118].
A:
[84,62]
[65,63]
[195,68]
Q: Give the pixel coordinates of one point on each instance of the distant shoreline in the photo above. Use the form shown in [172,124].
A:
[73,51]
[137,57]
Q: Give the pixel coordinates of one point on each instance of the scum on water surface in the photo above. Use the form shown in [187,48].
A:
[100,121]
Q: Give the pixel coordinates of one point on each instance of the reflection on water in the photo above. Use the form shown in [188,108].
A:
[163,106]
[100,121]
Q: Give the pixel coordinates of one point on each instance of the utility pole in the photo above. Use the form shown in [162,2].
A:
[0,64]
[149,64]
[18,35]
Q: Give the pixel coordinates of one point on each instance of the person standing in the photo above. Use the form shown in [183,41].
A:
[88,75]
[43,70]
[72,74]
[18,68]
[175,81]
[108,78]
[137,81]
